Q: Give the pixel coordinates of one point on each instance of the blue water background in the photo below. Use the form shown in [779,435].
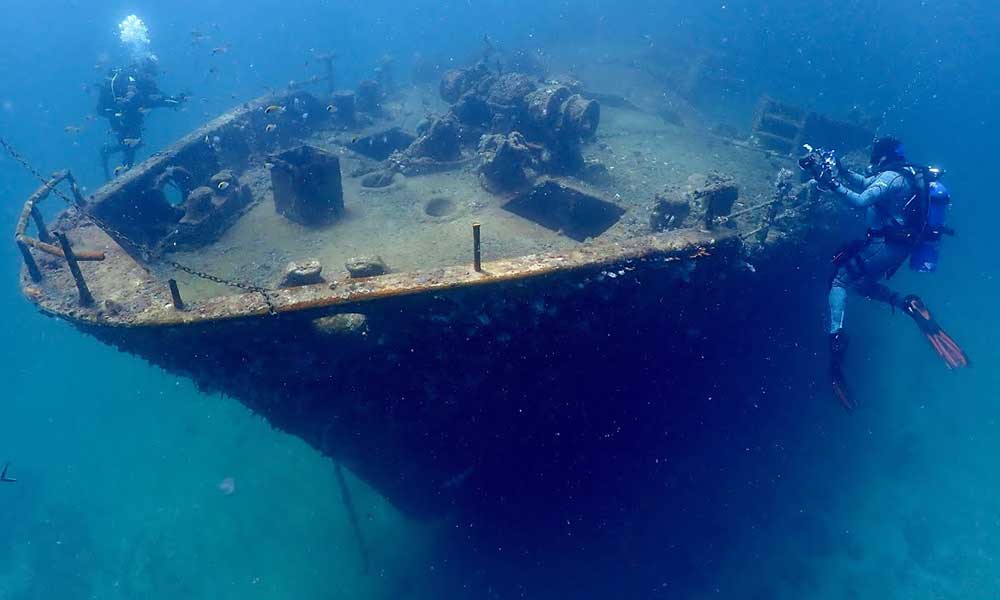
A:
[118,462]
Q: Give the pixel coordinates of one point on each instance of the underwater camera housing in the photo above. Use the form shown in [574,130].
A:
[819,163]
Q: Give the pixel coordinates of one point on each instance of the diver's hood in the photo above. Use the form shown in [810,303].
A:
[887,152]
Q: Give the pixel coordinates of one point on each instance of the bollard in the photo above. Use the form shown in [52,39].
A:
[86,299]
[175,294]
[477,257]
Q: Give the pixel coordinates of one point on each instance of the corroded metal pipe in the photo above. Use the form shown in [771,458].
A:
[77,196]
[86,299]
[43,232]
[29,261]
[84,255]
[39,195]
[477,256]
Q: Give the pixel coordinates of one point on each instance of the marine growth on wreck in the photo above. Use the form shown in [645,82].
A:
[306,242]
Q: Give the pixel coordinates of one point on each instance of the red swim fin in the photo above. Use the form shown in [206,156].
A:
[946,347]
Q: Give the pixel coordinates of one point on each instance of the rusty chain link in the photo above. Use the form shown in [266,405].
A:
[116,234]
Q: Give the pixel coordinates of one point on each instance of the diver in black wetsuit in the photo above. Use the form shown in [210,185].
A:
[127,94]
[897,206]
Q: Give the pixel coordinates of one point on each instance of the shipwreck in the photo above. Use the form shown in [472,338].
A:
[450,305]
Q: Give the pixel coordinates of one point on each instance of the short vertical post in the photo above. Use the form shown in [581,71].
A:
[77,196]
[86,299]
[43,232]
[29,261]
[175,294]
[477,256]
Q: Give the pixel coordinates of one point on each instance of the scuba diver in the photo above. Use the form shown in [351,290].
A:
[126,95]
[906,206]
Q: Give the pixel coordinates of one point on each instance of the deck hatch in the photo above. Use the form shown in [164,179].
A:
[574,213]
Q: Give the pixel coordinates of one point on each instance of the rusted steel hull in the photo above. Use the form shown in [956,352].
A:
[456,387]
[445,387]
[440,386]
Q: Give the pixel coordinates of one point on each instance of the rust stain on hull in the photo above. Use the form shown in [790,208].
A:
[670,247]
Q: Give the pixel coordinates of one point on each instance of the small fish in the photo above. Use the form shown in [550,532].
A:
[270,127]
[132,142]
[72,129]
[227,486]
[354,140]
[220,50]
[459,479]
[223,185]
[274,108]
[120,169]
[119,114]
[331,108]
[145,111]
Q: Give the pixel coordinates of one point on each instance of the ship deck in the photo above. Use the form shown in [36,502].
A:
[419,225]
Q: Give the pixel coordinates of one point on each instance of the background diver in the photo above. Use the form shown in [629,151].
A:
[126,95]
[3,475]
[906,206]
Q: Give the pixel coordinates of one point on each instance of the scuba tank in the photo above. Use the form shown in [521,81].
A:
[927,249]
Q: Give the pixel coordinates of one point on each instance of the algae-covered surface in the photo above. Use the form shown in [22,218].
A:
[424,221]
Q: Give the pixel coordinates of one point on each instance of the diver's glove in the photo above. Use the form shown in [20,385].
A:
[827,181]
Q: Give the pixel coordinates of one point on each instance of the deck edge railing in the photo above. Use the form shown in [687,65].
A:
[44,240]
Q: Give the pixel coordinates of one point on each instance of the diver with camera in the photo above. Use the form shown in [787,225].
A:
[906,205]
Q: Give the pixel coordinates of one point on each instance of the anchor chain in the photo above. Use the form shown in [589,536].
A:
[146,251]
